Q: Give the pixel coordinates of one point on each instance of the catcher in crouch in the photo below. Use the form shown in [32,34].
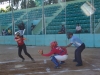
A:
[59,54]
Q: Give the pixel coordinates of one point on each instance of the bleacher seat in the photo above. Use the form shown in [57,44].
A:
[73,16]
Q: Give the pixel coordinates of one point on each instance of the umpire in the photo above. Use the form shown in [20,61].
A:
[80,46]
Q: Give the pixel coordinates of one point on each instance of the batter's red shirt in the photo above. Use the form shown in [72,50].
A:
[58,50]
[20,42]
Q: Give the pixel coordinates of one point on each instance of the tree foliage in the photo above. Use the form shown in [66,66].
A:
[16,3]
[37,3]
[27,4]
[8,8]
[31,4]
[23,4]
[2,10]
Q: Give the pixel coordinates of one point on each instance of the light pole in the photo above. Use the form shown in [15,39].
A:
[27,16]
[43,17]
[13,24]
[92,19]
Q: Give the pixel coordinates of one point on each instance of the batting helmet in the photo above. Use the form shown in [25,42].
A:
[17,33]
[53,44]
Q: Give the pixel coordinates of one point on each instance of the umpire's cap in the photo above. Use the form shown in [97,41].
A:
[68,34]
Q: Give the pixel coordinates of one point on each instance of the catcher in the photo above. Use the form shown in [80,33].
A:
[59,54]
[21,45]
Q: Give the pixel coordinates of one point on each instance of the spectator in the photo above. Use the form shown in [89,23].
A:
[9,31]
[62,31]
[3,32]
[78,28]
[32,27]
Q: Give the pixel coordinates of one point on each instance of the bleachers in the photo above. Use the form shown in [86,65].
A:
[6,18]
[37,13]
[73,16]
[30,14]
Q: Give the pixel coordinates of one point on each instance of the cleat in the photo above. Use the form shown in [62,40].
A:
[62,62]
[78,64]
[33,60]
[23,60]
[57,67]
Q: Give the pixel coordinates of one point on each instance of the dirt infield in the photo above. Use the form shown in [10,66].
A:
[10,63]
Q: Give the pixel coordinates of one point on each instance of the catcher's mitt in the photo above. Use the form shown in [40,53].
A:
[40,52]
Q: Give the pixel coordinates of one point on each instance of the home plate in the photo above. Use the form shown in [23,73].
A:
[18,66]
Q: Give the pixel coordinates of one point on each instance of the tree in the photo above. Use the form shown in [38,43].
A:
[16,3]
[23,4]
[8,8]
[2,10]
[27,3]
[31,4]
[9,2]
[38,3]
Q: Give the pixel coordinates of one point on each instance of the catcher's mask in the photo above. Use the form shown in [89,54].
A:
[53,44]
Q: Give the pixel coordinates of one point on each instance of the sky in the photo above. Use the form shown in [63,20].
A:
[4,4]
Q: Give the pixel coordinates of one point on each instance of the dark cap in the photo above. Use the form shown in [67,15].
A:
[68,34]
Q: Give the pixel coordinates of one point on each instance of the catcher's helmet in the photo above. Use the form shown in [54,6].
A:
[53,44]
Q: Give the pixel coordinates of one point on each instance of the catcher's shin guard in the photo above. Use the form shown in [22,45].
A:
[54,60]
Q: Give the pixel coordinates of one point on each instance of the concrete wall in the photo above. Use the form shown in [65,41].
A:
[91,40]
